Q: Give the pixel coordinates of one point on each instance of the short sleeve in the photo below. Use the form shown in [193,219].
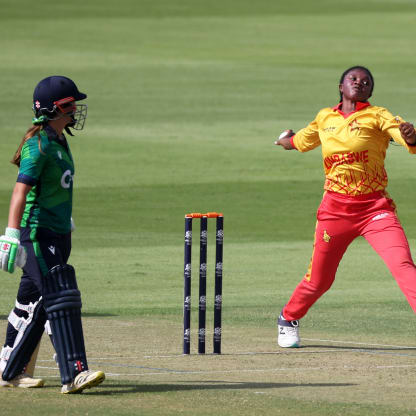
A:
[389,125]
[32,161]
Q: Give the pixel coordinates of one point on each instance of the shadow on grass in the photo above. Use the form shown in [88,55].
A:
[115,389]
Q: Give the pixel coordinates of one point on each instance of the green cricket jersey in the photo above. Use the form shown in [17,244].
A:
[46,165]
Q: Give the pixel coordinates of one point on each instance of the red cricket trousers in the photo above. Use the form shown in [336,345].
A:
[341,219]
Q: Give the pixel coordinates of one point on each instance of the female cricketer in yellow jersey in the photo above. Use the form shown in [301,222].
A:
[354,136]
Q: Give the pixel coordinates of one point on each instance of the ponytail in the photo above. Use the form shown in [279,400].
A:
[32,131]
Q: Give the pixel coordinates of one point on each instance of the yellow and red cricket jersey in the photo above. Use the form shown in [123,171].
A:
[353,146]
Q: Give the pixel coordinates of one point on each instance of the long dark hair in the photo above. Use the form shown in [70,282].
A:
[363,68]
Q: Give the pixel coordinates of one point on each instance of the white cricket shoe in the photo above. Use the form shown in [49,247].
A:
[22,380]
[287,333]
[84,380]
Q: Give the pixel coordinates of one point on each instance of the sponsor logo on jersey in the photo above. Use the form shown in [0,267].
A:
[52,249]
[66,179]
[329,129]
[346,159]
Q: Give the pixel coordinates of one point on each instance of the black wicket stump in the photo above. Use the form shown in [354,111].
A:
[203,282]
[187,287]
[218,284]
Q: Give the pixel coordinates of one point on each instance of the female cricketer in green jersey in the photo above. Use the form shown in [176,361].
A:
[38,239]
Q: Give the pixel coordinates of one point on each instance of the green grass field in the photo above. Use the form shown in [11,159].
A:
[185,100]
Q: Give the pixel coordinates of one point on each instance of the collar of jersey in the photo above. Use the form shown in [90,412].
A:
[358,106]
[52,135]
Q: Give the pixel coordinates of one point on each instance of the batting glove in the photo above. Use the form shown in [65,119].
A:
[11,252]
